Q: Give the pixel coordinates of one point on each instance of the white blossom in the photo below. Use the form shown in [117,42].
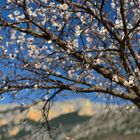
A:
[49,41]
[113,5]
[5,88]
[131,80]
[89,39]
[36,86]
[126,83]
[37,65]
[115,78]
[11,16]
[9,1]
[118,24]
[63,6]
[103,31]
[16,13]
[70,73]
[1,97]
[1,38]
[46,97]
[12,56]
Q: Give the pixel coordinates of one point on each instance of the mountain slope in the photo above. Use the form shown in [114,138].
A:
[71,120]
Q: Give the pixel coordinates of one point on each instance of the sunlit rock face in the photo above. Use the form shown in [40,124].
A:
[82,106]
[14,131]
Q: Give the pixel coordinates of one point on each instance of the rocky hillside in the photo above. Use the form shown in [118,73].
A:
[110,126]
[70,120]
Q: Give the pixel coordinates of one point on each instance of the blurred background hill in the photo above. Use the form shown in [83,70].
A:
[77,119]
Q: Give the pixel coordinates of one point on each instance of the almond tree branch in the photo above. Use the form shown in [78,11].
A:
[50,36]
